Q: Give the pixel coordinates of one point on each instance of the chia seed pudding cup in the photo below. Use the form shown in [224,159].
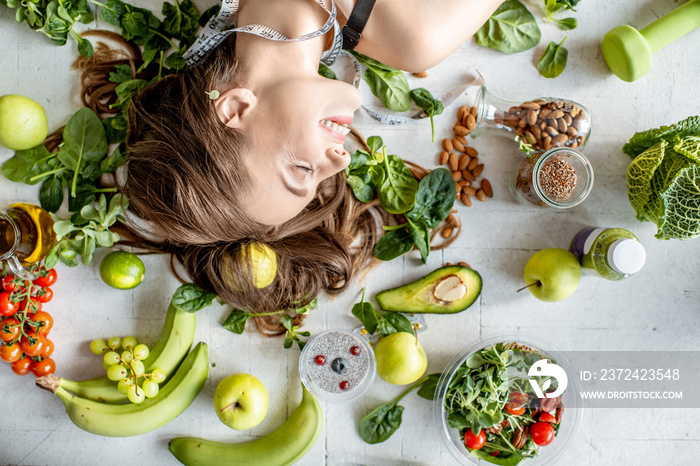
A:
[559,178]
[337,365]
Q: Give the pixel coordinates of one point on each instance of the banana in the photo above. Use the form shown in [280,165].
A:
[285,446]
[125,420]
[173,345]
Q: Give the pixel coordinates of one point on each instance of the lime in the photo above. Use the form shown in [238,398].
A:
[122,270]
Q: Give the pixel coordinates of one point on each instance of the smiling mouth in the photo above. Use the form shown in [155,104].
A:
[337,131]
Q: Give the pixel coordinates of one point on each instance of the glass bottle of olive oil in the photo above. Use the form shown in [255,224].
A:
[26,233]
[611,253]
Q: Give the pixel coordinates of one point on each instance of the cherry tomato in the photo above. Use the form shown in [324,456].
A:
[44,367]
[474,442]
[48,349]
[546,417]
[542,433]
[30,305]
[44,295]
[33,345]
[7,306]
[11,352]
[9,329]
[516,403]
[23,366]
[45,320]
[9,284]
[47,278]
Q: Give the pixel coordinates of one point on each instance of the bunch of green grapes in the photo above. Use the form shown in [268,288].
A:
[123,359]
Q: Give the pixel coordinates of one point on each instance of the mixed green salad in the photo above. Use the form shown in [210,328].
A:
[490,400]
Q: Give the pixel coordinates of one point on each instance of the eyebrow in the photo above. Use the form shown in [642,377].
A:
[297,192]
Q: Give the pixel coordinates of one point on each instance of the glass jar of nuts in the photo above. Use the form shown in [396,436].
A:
[542,124]
[559,178]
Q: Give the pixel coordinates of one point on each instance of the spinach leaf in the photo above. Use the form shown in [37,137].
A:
[425,100]
[400,322]
[388,84]
[366,314]
[111,11]
[236,320]
[553,60]
[428,388]
[510,29]
[51,193]
[84,142]
[28,166]
[434,199]
[181,19]
[397,193]
[393,244]
[191,298]
[326,72]
[381,423]
[421,237]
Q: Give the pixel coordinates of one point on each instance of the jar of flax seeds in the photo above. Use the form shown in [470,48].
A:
[560,178]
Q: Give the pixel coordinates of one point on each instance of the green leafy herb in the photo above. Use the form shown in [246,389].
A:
[326,72]
[510,29]
[425,100]
[191,298]
[555,6]
[383,421]
[293,334]
[237,319]
[664,178]
[387,323]
[553,60]
[388,84]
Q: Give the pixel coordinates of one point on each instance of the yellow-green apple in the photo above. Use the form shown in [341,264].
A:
[400,358]
[241,401]
[552,274]
[23,123]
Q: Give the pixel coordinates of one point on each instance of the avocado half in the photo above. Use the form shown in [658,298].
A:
[447,290]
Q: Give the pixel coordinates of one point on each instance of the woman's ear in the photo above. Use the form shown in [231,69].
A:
[233,106]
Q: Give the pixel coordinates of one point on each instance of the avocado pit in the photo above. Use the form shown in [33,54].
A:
[449,289]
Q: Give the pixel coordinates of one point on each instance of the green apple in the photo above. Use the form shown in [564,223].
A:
[400,358]
[241,401]
[263,263]
[23,123]
[552,274]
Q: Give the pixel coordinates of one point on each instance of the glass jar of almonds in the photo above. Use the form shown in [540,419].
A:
[560,178]
[542,124]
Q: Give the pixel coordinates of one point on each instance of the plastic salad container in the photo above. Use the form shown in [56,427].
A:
[506,401]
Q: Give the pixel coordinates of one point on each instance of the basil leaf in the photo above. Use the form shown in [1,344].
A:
[381,423]
[236,320]
[397,193]
[553,60]
[393,244]
[51,194]
[366,314]
[510,29]
[191,298]
[434,199]
[400,322]
[428,388]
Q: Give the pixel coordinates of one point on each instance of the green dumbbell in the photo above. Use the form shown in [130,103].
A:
[628,51]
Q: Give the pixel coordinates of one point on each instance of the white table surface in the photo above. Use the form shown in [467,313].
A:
[657,309]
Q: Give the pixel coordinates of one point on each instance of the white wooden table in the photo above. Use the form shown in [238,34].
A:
[657,309]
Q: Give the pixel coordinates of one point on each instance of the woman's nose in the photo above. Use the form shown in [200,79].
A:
[338,158]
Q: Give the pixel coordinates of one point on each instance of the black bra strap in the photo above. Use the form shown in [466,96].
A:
[352,31]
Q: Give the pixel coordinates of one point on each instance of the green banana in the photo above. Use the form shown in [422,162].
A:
[285,446]
[125,420]
[173,345]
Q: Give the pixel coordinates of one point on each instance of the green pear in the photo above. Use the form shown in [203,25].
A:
[400,358]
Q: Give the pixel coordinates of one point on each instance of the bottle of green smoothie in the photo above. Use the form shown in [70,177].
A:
[611,253]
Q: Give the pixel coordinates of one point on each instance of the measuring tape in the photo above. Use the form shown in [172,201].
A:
[218,28]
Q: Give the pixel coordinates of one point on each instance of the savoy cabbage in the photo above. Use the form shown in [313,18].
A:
[663,179]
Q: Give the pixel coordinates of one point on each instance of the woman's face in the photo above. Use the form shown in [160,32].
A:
[297,132]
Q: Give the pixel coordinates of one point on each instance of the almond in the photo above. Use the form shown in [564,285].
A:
[444,157]
[456,175]
[452,220]
[470,151]
[457,145]
[463,161]
[420,74]
[473,163]
[446,232]
[464,264]
[471,121]
[453,161]
[486,186]
[462,139]
[467,175]
[469,190]
[556,114]
[530,105]
[466,200]
[474,111]
[447,145]
[477,170]
[481,195]
[462,112]
[460,130]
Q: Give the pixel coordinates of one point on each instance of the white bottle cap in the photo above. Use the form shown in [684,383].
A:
[627,256]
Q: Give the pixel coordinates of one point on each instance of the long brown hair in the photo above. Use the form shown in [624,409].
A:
[183,180]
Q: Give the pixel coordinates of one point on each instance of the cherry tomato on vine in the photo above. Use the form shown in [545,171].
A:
[30,305]
[44,295]
[7,306]
[47,278]
[9,329]
[45,319]
[23,366]
[546,417]
[48,349]
[542,433]
[474,442]
[44,367]
[33,345]
[11,352]
[8,283]
[516,403]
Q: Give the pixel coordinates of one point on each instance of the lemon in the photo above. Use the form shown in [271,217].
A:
[23,123]
[263,261]
[122,270]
